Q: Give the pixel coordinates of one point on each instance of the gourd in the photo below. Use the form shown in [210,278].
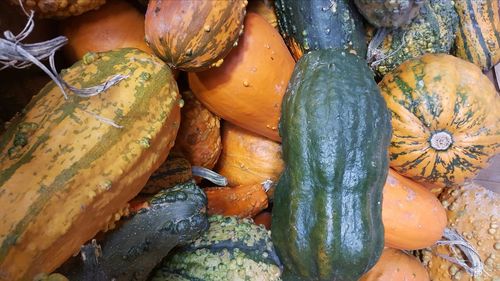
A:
[432,31]
[444,118]
[248,158]
[395,265]
[231,249]
[265,8]
[59,8]
[478,34]
[193,35]
[173,217]
[199,137]
[117,24]
[413,217]
[63,167]
[258,70]
[336,132]
[244,201]
[175,170]
[321,24]
[389,13]
[473,212]
[263,218]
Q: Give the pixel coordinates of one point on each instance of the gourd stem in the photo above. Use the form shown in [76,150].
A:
[441,140]
[209,175]
[453,239]
[15,54]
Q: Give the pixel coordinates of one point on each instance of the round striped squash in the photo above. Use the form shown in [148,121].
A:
[445,119]
[64,171]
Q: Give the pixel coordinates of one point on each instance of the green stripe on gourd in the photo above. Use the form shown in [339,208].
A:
[432,31]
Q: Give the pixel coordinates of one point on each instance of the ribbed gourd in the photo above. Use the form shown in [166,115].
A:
[335,128]
[389,13]
[231,249]
[445,119]
[194,35]
[321,24]
[432,31]
[474,213]
[64,170]
[478,34]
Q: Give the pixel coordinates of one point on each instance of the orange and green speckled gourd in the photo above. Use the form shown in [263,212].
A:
[64,172]
[445,119]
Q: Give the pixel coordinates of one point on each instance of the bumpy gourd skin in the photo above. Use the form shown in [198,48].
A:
[321,24]
[175,216]
[432,31]
[335,127]
[231,249]
[60,8]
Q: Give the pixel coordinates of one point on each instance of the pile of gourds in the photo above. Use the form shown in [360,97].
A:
[253,140]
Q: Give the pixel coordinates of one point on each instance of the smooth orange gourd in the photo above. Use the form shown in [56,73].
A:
[248,87]
[395,265]
[413,217]
[117,24]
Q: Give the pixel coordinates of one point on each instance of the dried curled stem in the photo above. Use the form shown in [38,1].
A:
[209,175]
[18,55]
[472,264]
[374,56]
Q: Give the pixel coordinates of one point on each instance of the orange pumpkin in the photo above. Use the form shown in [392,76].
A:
[199,137]
[248,87]
[395,265]
[248,158]
[117,24]
[445,119]
[413,217]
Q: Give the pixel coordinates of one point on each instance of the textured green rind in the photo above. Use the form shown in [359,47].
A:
[231,249]
[321,24]
[335,129]
[432,31]
[388,13]
[176,216]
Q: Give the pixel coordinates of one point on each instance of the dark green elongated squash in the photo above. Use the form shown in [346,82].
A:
[432,31]
[320,24]
[231,249]
[175,216]
[335,129]
[389,13]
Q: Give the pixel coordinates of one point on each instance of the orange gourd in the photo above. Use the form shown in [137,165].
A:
[244,201]
[248,158]
[117,24]
[248,87]
[444,117]
[395,265]
[263,218]
[199,137]
[413,217]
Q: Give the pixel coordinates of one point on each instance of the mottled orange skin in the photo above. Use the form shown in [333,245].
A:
[193,35]
[441,93]
[244,201]
[75,171]
[199,137]
[248,158]
[413,217]
[395,265]
[117,24]
[247,89]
